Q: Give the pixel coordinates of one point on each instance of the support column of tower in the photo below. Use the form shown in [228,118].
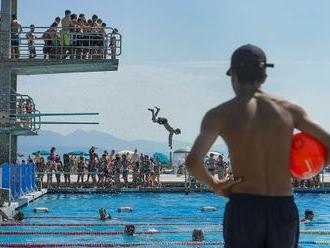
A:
[8,82]
[8,142]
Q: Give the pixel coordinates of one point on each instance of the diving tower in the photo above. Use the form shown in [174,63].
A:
[60,59]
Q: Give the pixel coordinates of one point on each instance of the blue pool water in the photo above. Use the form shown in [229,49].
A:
[174,212]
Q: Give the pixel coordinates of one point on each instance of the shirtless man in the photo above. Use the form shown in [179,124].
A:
[257,129]
[16,29]
[31,38]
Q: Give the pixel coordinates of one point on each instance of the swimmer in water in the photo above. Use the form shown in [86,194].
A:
[309,215]
[103,214]
[163,121]
[19,216]
[257,128]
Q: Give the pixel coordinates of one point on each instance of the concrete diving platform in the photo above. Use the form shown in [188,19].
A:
[19,131]
[54,66]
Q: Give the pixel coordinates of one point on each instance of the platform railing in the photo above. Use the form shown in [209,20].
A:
[59,44]
[16,117]
[26,105]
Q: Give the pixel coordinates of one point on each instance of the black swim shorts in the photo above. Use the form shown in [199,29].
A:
[255,221]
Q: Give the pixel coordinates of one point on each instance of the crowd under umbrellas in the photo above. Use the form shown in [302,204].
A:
[72,36]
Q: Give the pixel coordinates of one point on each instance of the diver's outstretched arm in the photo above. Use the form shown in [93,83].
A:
[170,140]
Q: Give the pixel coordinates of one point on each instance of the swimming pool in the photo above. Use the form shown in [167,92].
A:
[158,218]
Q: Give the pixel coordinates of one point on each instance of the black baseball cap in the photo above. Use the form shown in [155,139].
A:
[248,57]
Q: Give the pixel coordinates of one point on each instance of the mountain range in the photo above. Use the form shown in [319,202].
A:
[83,140]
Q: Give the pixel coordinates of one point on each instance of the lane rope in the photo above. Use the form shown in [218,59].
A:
[123,217]
[100,232]
[112,224]
[315,232]
[166,244]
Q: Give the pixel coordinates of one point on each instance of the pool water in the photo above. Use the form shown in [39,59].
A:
[174,216]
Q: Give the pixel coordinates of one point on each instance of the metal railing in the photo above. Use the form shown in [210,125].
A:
[57,43]
[18,117]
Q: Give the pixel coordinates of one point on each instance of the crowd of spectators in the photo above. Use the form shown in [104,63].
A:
[314,182]
[73,36]
[115,170]
[108,170]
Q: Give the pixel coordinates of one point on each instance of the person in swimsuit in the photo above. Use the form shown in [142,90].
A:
[66,169]
[16,29]
[104,215]
[31,37]
[163,121]
[113,43]
[211,164]
[257,128]
[309,216]
[81,169]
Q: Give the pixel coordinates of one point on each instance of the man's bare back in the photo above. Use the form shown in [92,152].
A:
[258,134]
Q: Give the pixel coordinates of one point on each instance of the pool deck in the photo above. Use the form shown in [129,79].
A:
[169,183]
[9,208]
[322,190]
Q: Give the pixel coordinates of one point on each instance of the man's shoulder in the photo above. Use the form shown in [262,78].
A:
[288,104]
[292,107]
[218,115]
[222,108]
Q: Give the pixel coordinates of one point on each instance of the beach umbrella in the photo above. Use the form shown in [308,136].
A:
[216,154]
[182,151]
[125,152]
[162,157]
[42,153]
[78,153]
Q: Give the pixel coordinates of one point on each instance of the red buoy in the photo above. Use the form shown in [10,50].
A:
[307,157]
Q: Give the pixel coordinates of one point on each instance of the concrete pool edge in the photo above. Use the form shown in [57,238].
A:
[9,209]
[159,190]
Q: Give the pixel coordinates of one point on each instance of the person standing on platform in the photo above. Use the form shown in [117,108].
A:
[31,38]
[16,29]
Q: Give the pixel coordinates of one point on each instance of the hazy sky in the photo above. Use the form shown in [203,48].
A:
[175,54]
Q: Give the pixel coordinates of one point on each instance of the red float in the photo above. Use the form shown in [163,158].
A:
[308,156]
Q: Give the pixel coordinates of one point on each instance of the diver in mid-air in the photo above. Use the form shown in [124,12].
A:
[163,121]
